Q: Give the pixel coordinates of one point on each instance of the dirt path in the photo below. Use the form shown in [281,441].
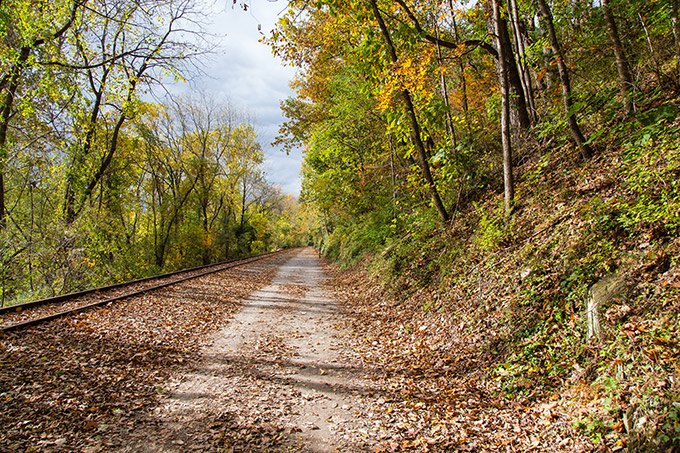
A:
[262,359]
[278,376]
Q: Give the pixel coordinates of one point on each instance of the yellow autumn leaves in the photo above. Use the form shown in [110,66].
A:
[415,73]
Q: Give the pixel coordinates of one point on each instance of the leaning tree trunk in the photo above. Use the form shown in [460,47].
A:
[503,58]
[73,173]
[625,79]
[74,210]
[567,98]
[415,126]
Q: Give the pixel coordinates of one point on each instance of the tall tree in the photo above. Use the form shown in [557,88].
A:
[170,181]
[214,147]
[500,28]
[522,59]
[413,119]
[249,155]
[520,112]
[140,47]
[625,79]
[567,96]
[25,30]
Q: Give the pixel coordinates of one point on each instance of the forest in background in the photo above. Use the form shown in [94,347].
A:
[99,184]
[488,165]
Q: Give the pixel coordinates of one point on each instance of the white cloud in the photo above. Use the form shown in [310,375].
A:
[252,77]
[244,70]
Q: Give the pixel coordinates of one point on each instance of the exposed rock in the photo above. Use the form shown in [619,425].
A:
[525,273]
[600,294]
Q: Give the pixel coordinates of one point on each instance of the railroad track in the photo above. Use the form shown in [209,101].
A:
[16,317]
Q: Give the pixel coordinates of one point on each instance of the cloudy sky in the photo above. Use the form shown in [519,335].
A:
[244,71]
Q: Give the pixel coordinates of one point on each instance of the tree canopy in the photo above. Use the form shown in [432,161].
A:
[97,183]
[443,94]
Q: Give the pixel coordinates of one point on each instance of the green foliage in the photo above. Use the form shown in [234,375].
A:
[651,168]
[174,198]
[99,187]
[350,244]
[495,228]
[516,286]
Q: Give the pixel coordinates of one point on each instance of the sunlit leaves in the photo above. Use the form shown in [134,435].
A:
[89,173]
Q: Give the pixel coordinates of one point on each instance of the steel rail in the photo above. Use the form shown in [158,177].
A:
[218,267]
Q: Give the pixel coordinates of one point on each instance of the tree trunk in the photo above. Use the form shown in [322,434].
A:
[243,203]
[521,58]
[652,53]
[227,216]
[445,94]
[73,211]
[5,115]
[461,68]
[205,259]
[415,126]
[503,59]
[567,98]
[675,22]
[79,159]
[625,79]
[520,113]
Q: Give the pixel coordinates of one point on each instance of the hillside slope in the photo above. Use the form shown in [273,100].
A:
[500,305]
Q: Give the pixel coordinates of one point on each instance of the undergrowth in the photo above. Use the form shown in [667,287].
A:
[519,286]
